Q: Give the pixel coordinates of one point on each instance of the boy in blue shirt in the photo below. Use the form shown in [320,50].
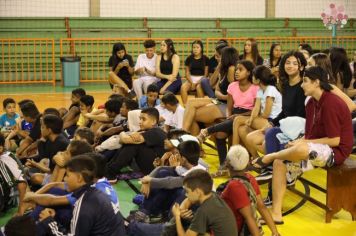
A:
[8,119]
[151,98]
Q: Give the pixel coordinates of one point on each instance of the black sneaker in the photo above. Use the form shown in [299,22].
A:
[131,94]
[265,175]
[138,216]
[267,201]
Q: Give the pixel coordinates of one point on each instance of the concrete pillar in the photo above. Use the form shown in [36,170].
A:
[94,8]
[270,8]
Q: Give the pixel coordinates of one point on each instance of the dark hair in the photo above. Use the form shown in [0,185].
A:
[318,73]
[264,74]
[51,111]
[117,47]
[53,122]
[229,57]
[20,226]
[152,112]
[222,43]
[176,133]
[84,165]
[8,101]
[302,62]
[149,43]
[130,104]
[249,67]
[190,150]
[323,60]
[113,105]
[116,96]
[152,88]
[199,179]
[271,57]
[169,98]
[85,133]
[79,92]
[24,101]
[88,100]
[78,147]
[170,48]
[29,109]
[100,164]
[340,65]
[254,50]
[306,47]
[2,140]
[191,56]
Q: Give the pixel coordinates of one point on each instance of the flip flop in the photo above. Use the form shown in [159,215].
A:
[276,222]
[220,173]
[203,135]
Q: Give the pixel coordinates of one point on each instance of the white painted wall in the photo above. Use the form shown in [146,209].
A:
[44,8]
[170,8]
[184,8]
[311,8]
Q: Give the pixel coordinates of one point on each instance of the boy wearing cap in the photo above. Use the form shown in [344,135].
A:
[243,196]
[164,185]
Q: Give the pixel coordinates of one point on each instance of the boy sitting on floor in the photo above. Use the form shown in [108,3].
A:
[143,146]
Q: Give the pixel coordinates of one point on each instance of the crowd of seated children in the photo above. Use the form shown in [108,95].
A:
[256,100]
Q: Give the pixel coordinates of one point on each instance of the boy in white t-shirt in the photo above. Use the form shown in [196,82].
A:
[145,68]
[175,119]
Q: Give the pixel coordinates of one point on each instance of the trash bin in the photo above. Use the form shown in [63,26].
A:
[70,71]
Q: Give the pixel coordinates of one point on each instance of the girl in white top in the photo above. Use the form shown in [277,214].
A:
[267,106]
[196,67]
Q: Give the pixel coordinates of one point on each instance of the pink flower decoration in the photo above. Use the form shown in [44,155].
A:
[341,8]
[332,5]
[340,16]
[325,21]
[334,12]
[323,14]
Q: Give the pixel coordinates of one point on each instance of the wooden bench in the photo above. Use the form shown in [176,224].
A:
[340,190]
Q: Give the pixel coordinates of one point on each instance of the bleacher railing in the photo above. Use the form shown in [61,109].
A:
[95,53]
[27,61]
[34,60]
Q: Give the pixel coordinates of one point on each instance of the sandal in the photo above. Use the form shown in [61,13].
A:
[258,163]
[220,173]
[203,135]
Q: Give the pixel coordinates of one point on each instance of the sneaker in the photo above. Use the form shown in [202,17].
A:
[131,94]
[267,201]
[265,175]
[292,182]
[112,181]
[138,199]
[138,216]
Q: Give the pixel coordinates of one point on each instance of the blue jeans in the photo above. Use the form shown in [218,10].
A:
[208,90]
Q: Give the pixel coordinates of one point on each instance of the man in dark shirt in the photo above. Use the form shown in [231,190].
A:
[143,146]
